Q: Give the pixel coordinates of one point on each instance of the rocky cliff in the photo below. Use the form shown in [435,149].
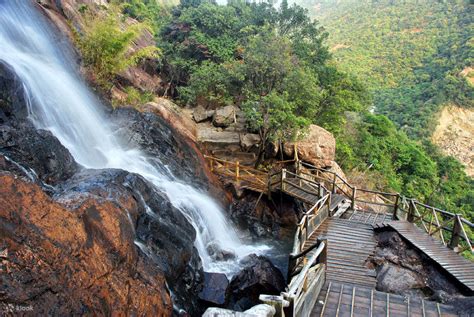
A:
[454,134]
[76,241]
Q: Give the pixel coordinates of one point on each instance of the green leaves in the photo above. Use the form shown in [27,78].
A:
[105,43]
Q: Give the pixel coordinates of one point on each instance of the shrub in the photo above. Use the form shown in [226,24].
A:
[105,44]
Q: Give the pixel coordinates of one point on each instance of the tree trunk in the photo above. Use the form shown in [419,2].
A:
[261,155]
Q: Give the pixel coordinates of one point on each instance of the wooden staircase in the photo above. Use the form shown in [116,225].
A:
[369,217]
[339,299]
[349,245]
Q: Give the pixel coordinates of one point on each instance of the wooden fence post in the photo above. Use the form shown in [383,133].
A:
[453,243]
[395,207]
[334,183]
[411,211]
[354,193]
[324,255]
[237,172]
[283,177]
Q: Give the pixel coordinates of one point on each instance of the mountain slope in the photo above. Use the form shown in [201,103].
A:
[414,56]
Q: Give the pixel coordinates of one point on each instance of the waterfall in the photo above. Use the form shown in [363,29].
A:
[59,101]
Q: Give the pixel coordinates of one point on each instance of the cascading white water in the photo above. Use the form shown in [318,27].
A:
[60,101]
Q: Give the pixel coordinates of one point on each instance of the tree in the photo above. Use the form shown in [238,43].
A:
[275,118]
[267,67]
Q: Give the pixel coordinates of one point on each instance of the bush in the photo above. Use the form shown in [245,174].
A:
[105,44]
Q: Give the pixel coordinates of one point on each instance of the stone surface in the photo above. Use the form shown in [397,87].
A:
[214,290]
[403,270]
[12,100]
[223,138]
[173,115]
[259,276]
[36,153]
[249,141]
[223,117]
[38,150]
[454,134]
[392,279]
[264,213]
[200,114]
[154,136]
[318,147]
[62,261]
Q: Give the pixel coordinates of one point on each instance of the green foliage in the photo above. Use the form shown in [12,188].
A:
[372,143]
[105,42]
[274,64]
[136,97]
[410,53]
[154,12]
[271,61]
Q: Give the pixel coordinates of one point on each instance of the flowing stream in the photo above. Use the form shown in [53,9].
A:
[60,101]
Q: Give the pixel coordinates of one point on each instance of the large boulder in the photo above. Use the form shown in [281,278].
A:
[161,232]
[37,150]
[318,147]
[214,289]
[201,114]
[249,141]
[216,139]
[63,261]
[396,279]
[224,117]
[12,95]
[159,140]
[173,115]
[259,276]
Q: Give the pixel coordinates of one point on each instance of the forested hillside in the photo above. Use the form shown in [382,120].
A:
[275,65]
[413,55]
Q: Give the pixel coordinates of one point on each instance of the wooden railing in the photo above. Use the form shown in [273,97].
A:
[310,222]
[453,230]
[303,289]
[248,176]
[330,179]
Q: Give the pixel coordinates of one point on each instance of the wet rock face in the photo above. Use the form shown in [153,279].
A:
[262,217]
[33,149]
[162,233]
[214,290]
[12,97]
[157,139]
[63,261]
[259,276]
[38,150]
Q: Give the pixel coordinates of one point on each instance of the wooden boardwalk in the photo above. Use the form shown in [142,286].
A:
[338,299]
[370,217]
[457,266]
[349,246]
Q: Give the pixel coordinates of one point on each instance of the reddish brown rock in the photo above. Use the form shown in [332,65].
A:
[65,14]
[172,114]
[318,147]
[61,261]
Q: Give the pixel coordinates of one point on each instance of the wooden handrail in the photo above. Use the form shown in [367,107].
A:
[409,208]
